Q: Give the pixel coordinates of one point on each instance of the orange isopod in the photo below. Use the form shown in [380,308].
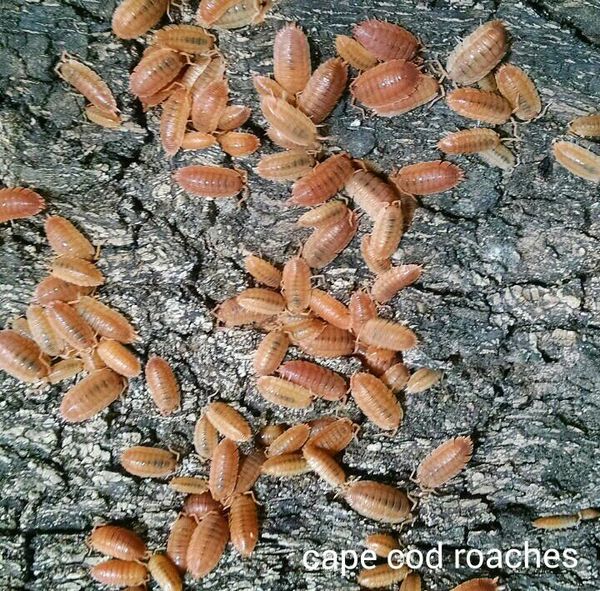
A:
[324,244]
[133,18]
[577,160]
[295,284]
[243,13]
[370,192]
[270,433]
[179,540]
[374,265]
[199,506]
[149,102]
[387,231]
[329,309]
[376,359]
[270,352]
[469,141]
[478,585]
[162,385]
[426,90]
[230,313]
[280,139]
[478,53]
[324,89]
[386,41]
[335,436]
[324,465]
[289,121]
[85,81]
[382,544]
[106,321]
[361,308]
[426,178]
[65,238]
[207,545]
[283,393]
[249,471]
[238,143]
[206,438]
[387,334]
[210,11]
[224,466]
[118,542]
[210,181]
[42,331]
[323,182]
[291,58]
[266,86]
[301,327]
[148,462]
[389,283]
[19,203]
[376,401]
[352,52]
[318,425]
[173,120]
[70,326]
[479,105]
[556,521]
[189,484]
[155,70]
[586,126]
[330,342]
[444,462]
[165,573]
[233,117]
[386,83]
[103,118]
[377,501]
[383,575]
[188,39]
[119,358]
[21,357]
[289,441]
[322,382]
[285,166]
[262,271]
[228,421]
[208,105]
[119,573]
[91,395]
[519,90]
[77,271]
[243,524]
[323,215]
[64,370]
[396,377]
[261,301]
[422,380]
[197,140]
[285,466]
[201,71]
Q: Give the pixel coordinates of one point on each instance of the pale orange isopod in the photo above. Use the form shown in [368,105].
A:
[362,308]
[210,181]
[65,369]
[376,359]
[262,271]
[499,156]
[382,544]
[155,70]
[285,466]
[197,140]
[188,39]
[301,327]
[295,284]
[386,41]
[370,192]
[233,116]
[208,105]
[519,90]
[283,393]
[249,471]
[319,424]
[322,382]
[228,421]
[189,485]
[289,121]
[19,203]
[133,18]
[387,334]
[118,542]
[119,358]
[478,585]
[383,575]
[396,377]
[334,436]
[323,215]
[291,58]
[179,540]
[270,352]
[324,244]
[206,438]
[329,309]
[162,385]
[577,160]
[376,401]
[479,105]
[324,465]
[422,380]
[375,265]
[280,139]
[586,126]
[77,271]
[165,573]
[202,71]
[200,505]
[70,326]
[243,13]
[230,313]
[556,521]
[65,238]
[207,545]
[285,166]
[389,283]
[224,466]
[478,53]
[426,90]
[106,321]
[238,143]
[148,462]
[243,524]
[426,178]
[444,462]
[173,121]
[266,86]
[352,52]
[377,501]
[330,342]
[387,231]
[270,433]
[91,395]
[386,83]
[119,573]
[289,441]
[42,331]
[469,141]
[261,301]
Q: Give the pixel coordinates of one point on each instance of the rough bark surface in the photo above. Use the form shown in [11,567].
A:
[508,306]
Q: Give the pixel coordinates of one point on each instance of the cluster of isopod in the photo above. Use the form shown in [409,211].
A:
[579,160]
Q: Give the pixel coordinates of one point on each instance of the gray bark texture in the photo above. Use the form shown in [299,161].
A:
[508,305]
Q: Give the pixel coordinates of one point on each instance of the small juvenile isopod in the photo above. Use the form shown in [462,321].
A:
[377,501]
[426,178]
[330,342]
[206,438]
[444,462]
[230,313]
[387,334]
[320,462]
[291,58]
[65,238]
[289,121]
[295,285]
[289,441]
[382,575]
[155,70]
[70,326]
[165,573]
[285,166]
[586,126]
[499,156]
[325,214]
[197,140]
[556,522]
[478,53]
[376,401]
[228,421]
[261,301]
[352,52]
[382,544]
[208,105]
[118,542]
[389,283]
[248,472]
[426,90]
[119,573]
[233,116]
[329,309]
[387,231]
[386,41]
[91,395]
[262,271]
[173,121]
[238,143]
[210,181]
[283,393]
[333,437]
[324,244]
[370,192]
[285,466]
[19,203]
[577,160]
[386,83]
[189,485]
[478,585]
[179,540]
[133,18]
[207,545]
[200,505]
[119,358]
[362,308]
[270,433]
[77,271]
[106,321]
[162,385]
[64,369]
[224,466]
[469,141]
[479,105]
[396,377]
[270,352]
[412,582]
[43,332]
[519,90]
[148,462]
[243,13]
[188,39]
[243,524]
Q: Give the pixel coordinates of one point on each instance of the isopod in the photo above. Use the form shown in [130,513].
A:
[499,156]
[334,437]
[478,53]
[243,13]
[478,585]
[322,382]
[77,271]
[189,485]
[119,573]
[387,334]
[65,369]
[289,441]
[266,86]
[165,573]
[386,41]
[556,522]
[577,160]
[289,121]
[155,71]
[65,238]
[91,395]
[376,359]
[133,18]
[210,11]
[295,285]
[427,178]
[19,203]
[270,353]
[206,438]
[361,308]
[330,342]
[280,139]
[197,140]
[387,231]
[106,119]
[261,301]
[238,143]
[396,377]
[469,141]
[301,327]
[106,321]
[426,90]
[389,283]
[370,192]
[262,271]
[118,542]
[119,358]
[210,181]
[319,425]
[233,117]
[285,466]
[589,513]
[188,39]
[382,575]
[285,166]
[386,83]
[376,401]
[148,462]
[201,505]
[228,421]
[179,540]
[204,70]
[479,105]
[375,265]
[162,385]
[444,462]
[70,326]
[283,393]
[377,501]
[323,182]
[325,214]
[243,524]
[208,105]
[173,121]
[382,544]
[224,466]
[207,545]
[230,313]
[412,582]
[291,58]
[329,309]
[249,471]
[352,52]
[586,126]
[270,433]
[519,90]
[43,332]
[324,244]
[324,465]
